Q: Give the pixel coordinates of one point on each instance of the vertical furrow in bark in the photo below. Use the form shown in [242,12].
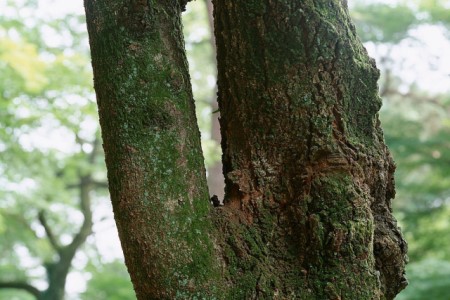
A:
[152,145]
[309,179]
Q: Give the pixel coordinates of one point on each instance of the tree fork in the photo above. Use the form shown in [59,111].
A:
[308,178]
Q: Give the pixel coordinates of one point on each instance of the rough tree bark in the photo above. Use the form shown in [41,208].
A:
[308,175]
[152,146]
[309,180]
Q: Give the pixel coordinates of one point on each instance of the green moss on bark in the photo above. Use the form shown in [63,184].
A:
[152,146]
[309,179]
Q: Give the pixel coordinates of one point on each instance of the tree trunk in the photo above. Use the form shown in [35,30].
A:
[309,180]
[57,274]
[152,146]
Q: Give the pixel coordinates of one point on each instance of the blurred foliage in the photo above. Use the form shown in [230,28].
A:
[203,74]
[380,22]
[390,22]
[110,281]
[429,279]
[437,10]
[47,131]
[416,122]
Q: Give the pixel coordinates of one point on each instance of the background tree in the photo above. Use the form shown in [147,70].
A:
[52,160]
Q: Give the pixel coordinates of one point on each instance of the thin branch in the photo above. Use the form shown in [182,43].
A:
[95,183]
[85,207]
[100,184]
[415,97]
[72,186]
[20,285]
[95,149]
[49,232]
[85,186]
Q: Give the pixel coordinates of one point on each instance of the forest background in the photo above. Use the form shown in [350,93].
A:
[50,141]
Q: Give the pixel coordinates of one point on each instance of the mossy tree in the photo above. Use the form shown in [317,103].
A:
[309,180]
